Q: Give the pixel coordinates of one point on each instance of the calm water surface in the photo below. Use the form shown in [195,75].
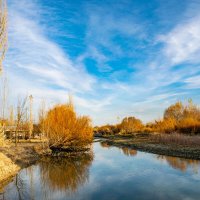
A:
[112,173]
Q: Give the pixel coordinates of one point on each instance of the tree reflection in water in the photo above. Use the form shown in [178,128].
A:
[180,163]
[65,174]
[18,188]
[126,151]
[104,144]
[175,162]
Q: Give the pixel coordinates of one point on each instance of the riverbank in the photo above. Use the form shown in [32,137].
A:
[14,158]
[7,168]
[148,143]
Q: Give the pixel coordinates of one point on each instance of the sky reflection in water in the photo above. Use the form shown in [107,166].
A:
[113,173]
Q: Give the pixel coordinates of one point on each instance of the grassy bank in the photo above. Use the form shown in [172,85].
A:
[13,158]
[187,147]
[7,168]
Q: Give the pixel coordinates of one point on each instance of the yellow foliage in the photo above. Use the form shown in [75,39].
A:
[180,118]
[189,125]
[177,117]
[131,125]
[65,129]
[166,125]
[174,111]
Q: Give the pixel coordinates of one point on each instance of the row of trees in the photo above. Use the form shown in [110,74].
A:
[178,118]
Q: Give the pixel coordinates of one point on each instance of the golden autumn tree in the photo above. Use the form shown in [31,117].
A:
[65,130]
[131,125]
[190,122]
[165,126]
[174,112]
[3,31]
[181,118]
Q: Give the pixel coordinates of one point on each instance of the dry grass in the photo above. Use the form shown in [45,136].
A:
[178,139]
[2,137]
[7,167]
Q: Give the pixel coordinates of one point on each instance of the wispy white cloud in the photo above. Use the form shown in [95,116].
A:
[38,61]
[33,52]
[94,105]
[193,82]
[102,28]
[182,44]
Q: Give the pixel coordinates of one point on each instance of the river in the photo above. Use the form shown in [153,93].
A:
[110,174]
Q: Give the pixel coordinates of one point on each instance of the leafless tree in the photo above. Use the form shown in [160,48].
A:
[21,114]
[41,116]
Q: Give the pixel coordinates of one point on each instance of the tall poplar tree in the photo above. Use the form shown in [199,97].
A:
[3,32]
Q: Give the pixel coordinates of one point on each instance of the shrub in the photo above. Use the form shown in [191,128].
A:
[189,125]
[107,130]
[165,126]
[64,129]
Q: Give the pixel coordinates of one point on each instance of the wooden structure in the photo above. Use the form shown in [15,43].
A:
[11,132]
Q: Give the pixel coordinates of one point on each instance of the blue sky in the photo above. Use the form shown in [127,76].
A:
[116,57]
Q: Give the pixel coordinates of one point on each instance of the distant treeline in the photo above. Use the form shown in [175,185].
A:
[177,118]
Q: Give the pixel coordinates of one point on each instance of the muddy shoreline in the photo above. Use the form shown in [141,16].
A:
[145,144]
